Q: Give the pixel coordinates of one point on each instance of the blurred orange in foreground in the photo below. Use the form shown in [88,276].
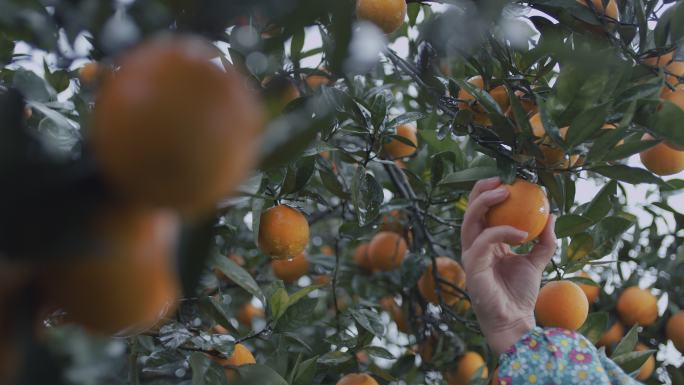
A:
[129,282]
[171,129]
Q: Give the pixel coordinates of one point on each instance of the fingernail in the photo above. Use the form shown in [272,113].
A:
[500,191]
[523,234]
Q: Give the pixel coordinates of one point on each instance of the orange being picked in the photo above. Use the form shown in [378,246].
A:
[290,270]
[397,149]
[283,232]
[662,159]
[466,367]
[637,305]
[526,209]
[172,129]
[591,291]
[448,270]
[648,367]
[361,257]
[674,330]
[612,336]
[386,251]
[128,282]
[562,304]
[357,379]
[388,15]
[248,312]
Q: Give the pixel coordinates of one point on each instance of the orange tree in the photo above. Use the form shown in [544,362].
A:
[211,192]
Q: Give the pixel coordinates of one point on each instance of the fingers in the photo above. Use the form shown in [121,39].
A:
[473,221]
[542,252]
[479,256]
[482,186]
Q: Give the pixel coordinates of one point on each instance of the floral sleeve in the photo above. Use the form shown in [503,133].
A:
[558,357]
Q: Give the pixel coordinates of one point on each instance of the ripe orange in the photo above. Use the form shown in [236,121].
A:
[611,10]
[553,156]
[386,251]
[612,336]
[240,356]
[357,379]
[648,367]
[397,149]
[466,366]
[129,283]
[283,232]
[591,291]
[448,270]
[637,305]
[392,222]
[389,15]
[675,330]
[499,94]
[396,313]
[171,129]
[662,159]
[361,257]
[279,91]
[218,329]
[248,312]
[526,209]
[315,81]
[290,270]
[89,73]
[327,250]
[665,61]
[562,304]
[322,279]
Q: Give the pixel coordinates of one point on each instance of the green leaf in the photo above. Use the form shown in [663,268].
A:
[378,351]
[632,175]
[586,124]
[297,315]
[568,225]
[331,182]
[667,121]
[367,196]
[469,176]
[278,303]
[297,44]
[298,175]
[408,117]
[334,358]
[32,86]
[259,374]
[595,325]
[368,320]
[632,361]
[628,149]
[204,372]
[580,246]
[628,342]
[240,276]
[600,206]
[301,293]
[305,371]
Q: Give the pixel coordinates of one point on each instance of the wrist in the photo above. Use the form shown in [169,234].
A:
[502,338]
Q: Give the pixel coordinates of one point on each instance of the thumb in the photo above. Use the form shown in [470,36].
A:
[479,256]
[542,252]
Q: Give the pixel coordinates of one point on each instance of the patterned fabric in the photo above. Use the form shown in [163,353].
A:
[555,356]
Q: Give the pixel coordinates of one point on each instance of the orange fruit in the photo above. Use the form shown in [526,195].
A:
[248,312]
[240,356]
[528,105]
[466,366]
[637,305]
[397,149]
[283,232]
[315,81]
[662,159]
[279,91]
[327,250]
[218,329]
[611,10]
[322,279]
[361,257]
[499,94]
[89,73]
[448,270]
[526,209]
[612,336]
[591,291]
[171,129]
[648,367]
[396,313]
[386,251]
[290,270]
[674,330]
[562,304]
[357,379]
[392,222]
[129,282]
[388,15]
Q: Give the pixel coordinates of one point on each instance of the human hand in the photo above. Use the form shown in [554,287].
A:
[503,286]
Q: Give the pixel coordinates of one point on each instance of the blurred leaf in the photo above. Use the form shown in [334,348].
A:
[627,174]
[278,303]
[580,246]
[241,277]
[203,372]
[594,327]
[628,342]
[334,358]
[378,351]
[259,374]
[408,117]
[632,361]
[304,373]
[568,225]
